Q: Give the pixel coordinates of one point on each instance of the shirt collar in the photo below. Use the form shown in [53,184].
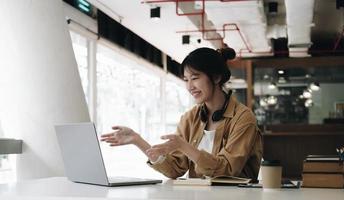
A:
[231,107]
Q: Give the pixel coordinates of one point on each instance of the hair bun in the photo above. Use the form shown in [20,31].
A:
[227,53]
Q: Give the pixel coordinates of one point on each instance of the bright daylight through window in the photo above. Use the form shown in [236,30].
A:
[130,94]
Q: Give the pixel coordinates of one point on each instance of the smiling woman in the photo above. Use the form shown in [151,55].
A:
[234,147]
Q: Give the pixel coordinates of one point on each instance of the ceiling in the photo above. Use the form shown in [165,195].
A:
[248,26]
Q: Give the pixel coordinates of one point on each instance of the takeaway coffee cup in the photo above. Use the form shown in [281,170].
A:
[271,173]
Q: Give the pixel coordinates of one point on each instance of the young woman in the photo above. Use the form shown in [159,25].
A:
[217,137]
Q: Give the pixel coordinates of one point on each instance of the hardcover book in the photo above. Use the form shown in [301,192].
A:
[323,180]
[320,166]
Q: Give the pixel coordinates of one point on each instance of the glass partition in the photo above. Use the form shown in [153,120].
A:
[304,95]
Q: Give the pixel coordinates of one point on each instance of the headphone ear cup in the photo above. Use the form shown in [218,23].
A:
[204,114]
[217,115]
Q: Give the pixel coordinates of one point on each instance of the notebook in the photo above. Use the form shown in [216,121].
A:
[83,159]
[220,180]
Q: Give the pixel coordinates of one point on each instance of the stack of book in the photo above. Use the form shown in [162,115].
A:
[323,171]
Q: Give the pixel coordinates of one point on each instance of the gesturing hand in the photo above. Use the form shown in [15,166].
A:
[174,142]
[121,136]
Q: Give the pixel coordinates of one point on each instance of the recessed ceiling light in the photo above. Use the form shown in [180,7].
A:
[280,71]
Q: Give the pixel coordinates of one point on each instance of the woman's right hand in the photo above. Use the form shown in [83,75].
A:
[121,136]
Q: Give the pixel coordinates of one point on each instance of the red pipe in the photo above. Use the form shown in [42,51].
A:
[190,14]
[237,0]
[202,13]
[205,30]
[224,29]
[241,35]
[286,51]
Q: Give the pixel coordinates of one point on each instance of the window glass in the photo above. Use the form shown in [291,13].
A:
[299,95]
[178,101]
[80,51]
[130,96]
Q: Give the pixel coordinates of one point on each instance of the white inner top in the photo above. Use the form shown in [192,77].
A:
[207,141]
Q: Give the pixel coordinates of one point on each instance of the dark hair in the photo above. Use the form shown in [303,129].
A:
[210,62]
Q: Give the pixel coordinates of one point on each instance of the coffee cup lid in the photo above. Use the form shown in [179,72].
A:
[271,163]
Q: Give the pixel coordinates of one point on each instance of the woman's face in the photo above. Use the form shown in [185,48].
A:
[198,84]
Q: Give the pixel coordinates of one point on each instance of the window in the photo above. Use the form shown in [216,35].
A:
[127,95]
[81,55]
[178,100]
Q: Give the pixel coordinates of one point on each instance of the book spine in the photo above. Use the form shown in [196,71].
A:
[326,167]
[323,180]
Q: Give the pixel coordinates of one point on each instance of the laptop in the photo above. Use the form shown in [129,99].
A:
[83,159]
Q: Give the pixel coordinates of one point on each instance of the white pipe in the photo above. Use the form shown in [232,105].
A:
[299,23]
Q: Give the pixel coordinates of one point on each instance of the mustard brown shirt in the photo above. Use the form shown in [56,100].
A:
[237,149]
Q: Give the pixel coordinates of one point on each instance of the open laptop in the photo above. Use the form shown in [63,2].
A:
[83,159]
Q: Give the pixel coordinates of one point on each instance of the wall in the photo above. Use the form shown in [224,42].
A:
[324,100]
[39,82]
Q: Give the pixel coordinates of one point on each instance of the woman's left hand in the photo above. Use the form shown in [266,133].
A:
[174,142]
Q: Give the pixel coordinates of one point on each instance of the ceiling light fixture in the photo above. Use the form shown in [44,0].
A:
[308,103]
[272,86]
[280,71]
[155,13]
[263,102]
[186,39]
[307,94]
[315,86]
[272,100]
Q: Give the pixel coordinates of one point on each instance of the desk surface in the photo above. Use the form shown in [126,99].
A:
[61,188]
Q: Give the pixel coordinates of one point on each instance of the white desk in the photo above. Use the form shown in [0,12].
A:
[61,188]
